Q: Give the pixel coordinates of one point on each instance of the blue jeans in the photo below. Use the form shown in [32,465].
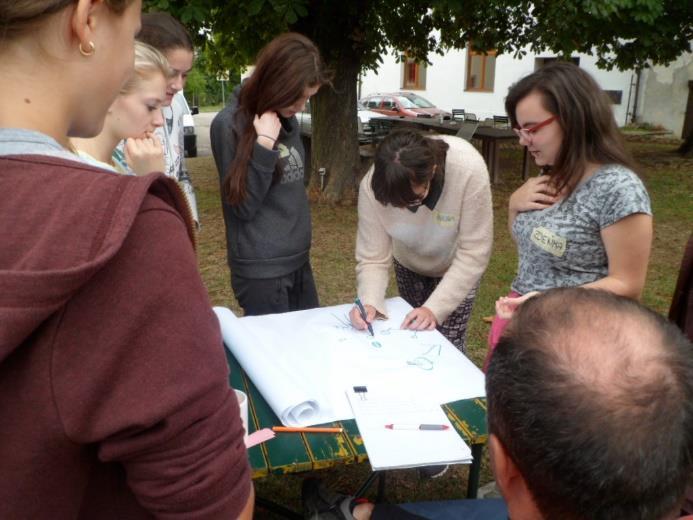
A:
[481,509]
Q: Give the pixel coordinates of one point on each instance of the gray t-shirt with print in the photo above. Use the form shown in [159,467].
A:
[561,246]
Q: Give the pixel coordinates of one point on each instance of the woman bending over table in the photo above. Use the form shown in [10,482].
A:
[426,207]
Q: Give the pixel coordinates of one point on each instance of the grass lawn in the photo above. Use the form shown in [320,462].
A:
[211,108]
[669,180]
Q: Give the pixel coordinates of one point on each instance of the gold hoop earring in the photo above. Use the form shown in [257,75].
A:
[90,52]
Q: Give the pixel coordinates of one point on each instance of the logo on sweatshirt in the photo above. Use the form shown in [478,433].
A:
[292,162]
[445,220]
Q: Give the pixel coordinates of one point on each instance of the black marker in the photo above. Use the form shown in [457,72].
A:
[364,316]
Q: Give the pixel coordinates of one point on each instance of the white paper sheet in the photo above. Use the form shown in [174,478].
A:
[303,361]
[399,448]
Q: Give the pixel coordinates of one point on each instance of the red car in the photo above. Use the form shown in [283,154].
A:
[402,104]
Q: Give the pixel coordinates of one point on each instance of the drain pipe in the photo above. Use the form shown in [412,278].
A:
[638,74]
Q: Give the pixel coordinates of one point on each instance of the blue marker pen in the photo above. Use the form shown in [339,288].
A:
[364,316]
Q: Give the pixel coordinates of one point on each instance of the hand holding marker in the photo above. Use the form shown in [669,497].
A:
[364,315]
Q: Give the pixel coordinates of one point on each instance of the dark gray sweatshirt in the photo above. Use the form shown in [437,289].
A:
[269,234]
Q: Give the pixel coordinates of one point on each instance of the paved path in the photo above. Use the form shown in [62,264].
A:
[202,122]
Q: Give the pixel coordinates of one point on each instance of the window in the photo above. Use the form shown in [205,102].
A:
[388,103]
[413,74]
[373,102]
[481,70]
[414,101]
[615,96]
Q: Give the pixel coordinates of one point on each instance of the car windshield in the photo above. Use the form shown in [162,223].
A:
[414,101]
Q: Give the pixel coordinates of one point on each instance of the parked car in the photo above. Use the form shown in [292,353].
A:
[189,135]
[403,104]
[364,116]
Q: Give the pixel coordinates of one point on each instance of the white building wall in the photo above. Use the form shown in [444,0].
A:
[664,94]
[445,80]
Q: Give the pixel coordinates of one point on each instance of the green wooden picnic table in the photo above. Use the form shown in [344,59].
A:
[296,452]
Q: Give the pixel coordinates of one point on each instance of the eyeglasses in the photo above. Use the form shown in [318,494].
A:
[528,133]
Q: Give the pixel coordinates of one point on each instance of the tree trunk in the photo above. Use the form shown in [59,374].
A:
[335,144]
[686,148]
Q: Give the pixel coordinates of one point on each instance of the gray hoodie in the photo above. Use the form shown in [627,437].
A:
[268,235]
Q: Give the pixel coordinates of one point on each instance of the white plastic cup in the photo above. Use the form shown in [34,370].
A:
[243,405]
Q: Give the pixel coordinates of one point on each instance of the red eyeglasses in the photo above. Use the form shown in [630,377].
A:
[527,133]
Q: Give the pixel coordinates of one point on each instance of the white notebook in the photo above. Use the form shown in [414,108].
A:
[402,430]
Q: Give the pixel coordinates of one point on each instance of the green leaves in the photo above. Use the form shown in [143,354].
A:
[621,33]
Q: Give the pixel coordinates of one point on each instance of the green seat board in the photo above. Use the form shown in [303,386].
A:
[285,453]
[258,462]
[327,449]
[469,417]
[355,440]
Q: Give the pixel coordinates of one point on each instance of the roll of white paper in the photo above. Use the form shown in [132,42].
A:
[286,394]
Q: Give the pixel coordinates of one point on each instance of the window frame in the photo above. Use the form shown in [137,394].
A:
[484,56]
[420,74]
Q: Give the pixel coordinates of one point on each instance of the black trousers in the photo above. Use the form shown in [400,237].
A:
[292,292]
[415,288]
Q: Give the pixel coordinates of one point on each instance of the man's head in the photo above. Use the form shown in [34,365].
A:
[590,409]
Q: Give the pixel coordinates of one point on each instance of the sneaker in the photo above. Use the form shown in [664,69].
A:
[431,472]
[319,503]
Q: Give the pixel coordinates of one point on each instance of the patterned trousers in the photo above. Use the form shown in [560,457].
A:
[416,288]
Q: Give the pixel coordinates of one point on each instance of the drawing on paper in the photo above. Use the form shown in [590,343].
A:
[403,340]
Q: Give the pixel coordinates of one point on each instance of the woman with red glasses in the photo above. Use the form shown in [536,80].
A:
[586,221]
[426,207]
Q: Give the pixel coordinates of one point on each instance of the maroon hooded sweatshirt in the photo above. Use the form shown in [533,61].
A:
[114,395]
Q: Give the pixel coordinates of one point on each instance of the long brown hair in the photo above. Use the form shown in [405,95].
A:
[163,32]
[406,157]
[590,134]
[284,68]
[21,16]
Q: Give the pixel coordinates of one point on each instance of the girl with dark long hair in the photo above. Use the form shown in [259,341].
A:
[260,158]
[586,221]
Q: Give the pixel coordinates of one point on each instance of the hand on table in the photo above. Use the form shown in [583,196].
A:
[145,155]
[506,306]
[356,319]
[267,127]
[420,318]
[534,194]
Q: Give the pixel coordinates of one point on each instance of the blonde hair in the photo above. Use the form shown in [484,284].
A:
[148,61]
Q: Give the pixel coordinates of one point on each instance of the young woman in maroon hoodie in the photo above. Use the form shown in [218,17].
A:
[114,395]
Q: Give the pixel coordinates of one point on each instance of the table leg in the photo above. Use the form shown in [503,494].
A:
[368,483]
[525,164]
[486,154]
[381,488]
[495,161]
[474,470]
